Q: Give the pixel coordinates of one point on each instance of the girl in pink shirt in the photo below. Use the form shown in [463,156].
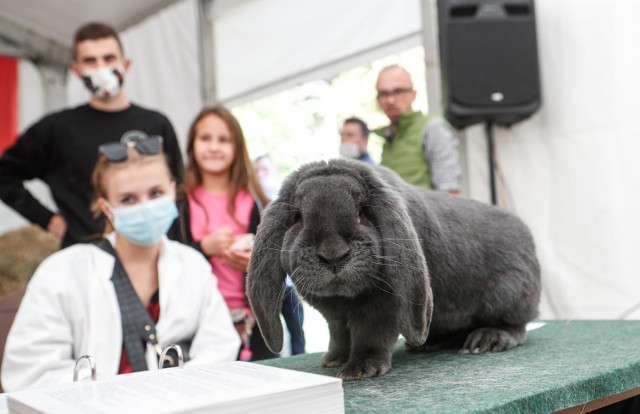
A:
[221,213]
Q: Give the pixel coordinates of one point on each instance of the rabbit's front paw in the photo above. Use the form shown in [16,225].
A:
[485,340]
[364,368]
[333,359]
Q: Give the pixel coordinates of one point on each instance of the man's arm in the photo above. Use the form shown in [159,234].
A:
[440,150]
[25,160]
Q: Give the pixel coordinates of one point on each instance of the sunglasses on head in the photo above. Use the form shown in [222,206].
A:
[118,151]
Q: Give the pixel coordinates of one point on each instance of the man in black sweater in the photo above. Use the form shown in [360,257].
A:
[62,148]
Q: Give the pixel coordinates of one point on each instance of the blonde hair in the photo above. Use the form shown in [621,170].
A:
[241,173]
[104,166]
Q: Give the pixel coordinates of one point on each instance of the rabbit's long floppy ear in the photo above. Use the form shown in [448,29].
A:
[405,265]
[265,278]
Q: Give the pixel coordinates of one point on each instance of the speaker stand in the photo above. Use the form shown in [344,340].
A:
[488,126]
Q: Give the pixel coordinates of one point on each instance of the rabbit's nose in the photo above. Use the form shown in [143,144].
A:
[333,252]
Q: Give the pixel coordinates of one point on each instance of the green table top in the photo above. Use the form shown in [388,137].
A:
[562,364]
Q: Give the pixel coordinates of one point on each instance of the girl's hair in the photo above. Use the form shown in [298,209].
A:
[241,173]
[104,165]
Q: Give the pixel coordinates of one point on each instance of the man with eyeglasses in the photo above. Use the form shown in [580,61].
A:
[62,148]
[421,149]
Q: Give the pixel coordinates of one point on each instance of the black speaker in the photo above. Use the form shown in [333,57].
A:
[489,61]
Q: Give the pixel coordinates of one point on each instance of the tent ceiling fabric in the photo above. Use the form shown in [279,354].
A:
[265,46]
[44,28]
[259,47]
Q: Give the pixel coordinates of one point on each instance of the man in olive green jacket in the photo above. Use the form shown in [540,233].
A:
[421,149]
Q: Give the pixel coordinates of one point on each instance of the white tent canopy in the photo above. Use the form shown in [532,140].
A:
[291,42]
[218,50]
[294,42]
[570,171]
[42,30]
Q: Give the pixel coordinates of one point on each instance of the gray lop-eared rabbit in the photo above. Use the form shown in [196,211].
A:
[379,257]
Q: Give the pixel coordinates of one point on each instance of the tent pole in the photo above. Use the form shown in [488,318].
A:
[206,47]
[431,56]
[488,126]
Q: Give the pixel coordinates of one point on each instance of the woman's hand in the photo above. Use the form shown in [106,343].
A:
[216,243]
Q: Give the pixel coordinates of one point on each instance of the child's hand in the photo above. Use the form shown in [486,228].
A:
[238,259]
[242,242]
[216,243]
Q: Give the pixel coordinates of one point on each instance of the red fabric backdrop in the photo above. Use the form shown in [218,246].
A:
[8,102]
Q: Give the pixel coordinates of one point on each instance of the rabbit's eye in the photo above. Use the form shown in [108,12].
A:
[298,217]
[360,215]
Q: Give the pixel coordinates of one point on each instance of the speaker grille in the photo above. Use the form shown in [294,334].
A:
[492,58]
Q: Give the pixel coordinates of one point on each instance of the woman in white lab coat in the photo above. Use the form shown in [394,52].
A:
[71,307]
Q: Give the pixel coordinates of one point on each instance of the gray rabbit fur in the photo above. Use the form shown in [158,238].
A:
[367,250]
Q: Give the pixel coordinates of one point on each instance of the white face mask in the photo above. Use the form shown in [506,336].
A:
[105,82]
[349,150]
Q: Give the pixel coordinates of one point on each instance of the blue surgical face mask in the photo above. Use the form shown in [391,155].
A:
[145,223]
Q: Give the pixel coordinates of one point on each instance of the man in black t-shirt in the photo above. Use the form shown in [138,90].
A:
[62,148]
